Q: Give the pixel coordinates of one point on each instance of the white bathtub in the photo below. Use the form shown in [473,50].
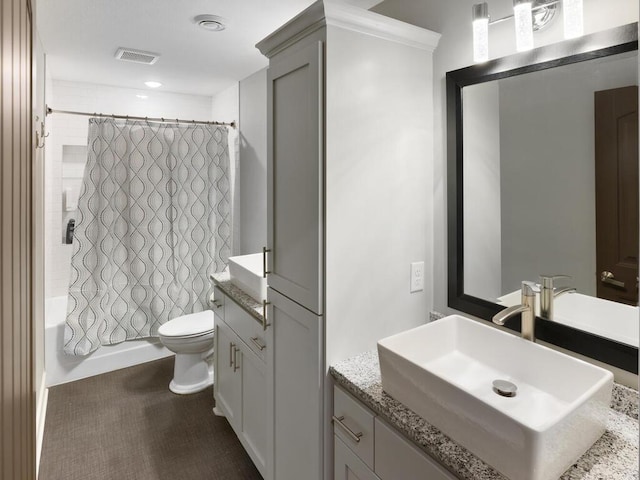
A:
[62,368]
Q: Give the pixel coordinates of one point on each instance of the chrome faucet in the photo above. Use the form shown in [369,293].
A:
[527,309]
[548,293]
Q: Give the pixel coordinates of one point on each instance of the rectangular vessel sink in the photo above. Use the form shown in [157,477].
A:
[444,371]
[246,274]
[613,320]
[608,319]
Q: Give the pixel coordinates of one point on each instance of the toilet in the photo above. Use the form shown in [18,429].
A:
[191,338]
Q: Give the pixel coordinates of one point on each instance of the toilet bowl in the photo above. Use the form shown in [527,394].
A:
[191,338]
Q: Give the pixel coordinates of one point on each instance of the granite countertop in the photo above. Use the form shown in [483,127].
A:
[248,303]
[613,457]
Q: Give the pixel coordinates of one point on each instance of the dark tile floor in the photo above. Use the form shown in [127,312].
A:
[128,425]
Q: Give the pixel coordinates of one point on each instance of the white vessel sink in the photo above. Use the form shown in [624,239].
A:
[613,320]
[246,274]
[444,371]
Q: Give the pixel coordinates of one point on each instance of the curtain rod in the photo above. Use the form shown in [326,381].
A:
[148,119]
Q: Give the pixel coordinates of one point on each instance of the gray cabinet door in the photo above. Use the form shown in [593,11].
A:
[227,385]
[297,384]
[348,466]
[295,176]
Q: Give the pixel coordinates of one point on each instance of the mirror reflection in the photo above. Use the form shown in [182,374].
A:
[551,187]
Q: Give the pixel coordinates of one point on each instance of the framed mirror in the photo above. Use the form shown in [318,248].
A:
[529,159]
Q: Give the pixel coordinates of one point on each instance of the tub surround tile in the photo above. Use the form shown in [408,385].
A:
[248,303]
[614,456]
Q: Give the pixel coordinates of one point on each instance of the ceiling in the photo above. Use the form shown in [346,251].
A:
[80,38]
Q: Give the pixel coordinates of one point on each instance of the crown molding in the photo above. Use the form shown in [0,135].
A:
[330,13]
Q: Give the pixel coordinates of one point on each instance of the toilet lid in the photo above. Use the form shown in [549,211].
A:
[188,325]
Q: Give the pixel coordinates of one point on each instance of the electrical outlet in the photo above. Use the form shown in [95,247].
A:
[417,277]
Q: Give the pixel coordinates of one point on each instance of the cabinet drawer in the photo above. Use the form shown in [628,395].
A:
[216,301]
[353,424]
[247,327]
[398,459]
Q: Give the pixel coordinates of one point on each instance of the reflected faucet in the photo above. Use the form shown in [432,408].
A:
[548,293]
[527,309]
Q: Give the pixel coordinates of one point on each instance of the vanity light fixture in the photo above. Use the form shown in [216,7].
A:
[529,16]
[481,32]
[524,24]
[573,24]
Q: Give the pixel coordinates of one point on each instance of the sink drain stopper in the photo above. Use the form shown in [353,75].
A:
[505,388]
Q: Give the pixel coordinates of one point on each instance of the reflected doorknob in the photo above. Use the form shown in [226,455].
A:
[610,279]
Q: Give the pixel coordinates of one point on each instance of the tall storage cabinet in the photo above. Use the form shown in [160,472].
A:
[349,168]
[295,176]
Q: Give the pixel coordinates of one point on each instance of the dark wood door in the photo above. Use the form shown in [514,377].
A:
[616,150]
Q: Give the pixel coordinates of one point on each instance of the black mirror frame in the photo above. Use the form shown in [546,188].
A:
[601,44]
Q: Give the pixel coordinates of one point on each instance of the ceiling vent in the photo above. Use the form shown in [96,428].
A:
[137,56]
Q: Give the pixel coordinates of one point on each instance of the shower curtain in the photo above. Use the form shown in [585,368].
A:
[153,221]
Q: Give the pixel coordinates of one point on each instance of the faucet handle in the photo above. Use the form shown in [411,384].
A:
[529,289]
[547,280]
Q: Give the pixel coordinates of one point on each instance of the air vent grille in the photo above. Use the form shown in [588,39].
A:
[137,56]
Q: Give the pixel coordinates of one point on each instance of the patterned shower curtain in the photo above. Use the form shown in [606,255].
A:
[153,221]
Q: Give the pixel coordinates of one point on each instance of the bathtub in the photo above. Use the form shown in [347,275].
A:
[62,368]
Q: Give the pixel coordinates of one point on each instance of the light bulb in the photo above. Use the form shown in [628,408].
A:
[524,25]
[480,16]
[573,23]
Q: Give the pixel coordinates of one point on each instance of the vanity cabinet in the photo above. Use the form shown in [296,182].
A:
[240,382]
[367,448]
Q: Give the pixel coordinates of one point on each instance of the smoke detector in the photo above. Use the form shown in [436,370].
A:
[137,56]
[213,23]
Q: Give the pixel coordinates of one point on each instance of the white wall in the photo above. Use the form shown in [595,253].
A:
[453,20]
[225,108]
[378,181]
[73,130]
[253,163]
[38,83]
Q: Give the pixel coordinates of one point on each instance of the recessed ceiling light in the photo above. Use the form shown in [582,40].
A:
[142,96]
[153,84]
[212,23]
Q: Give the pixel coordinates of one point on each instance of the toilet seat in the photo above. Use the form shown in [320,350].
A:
[192,325]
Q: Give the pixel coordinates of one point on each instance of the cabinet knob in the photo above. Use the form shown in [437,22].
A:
[232,347]
[265,323]
[235,358]
[264,262]
[258,343]
[339,421]
[213,301]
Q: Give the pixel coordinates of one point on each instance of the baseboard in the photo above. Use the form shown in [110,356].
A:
[41,413]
